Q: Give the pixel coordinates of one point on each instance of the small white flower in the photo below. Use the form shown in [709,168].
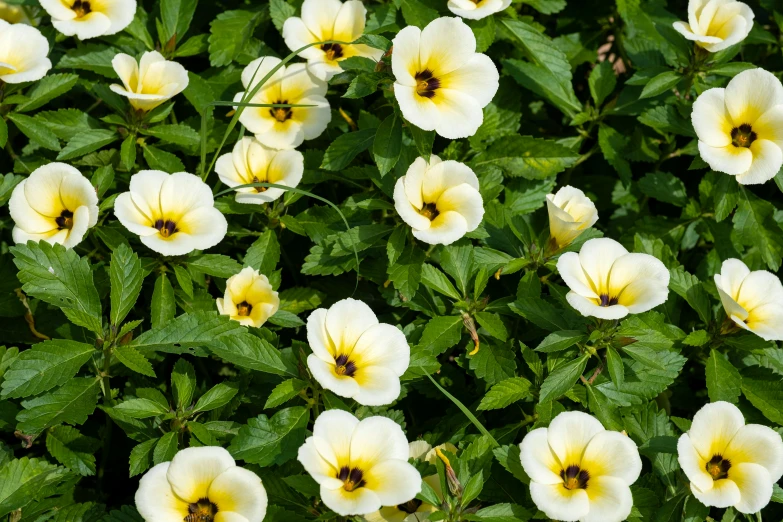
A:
[609,283]
[354,355]
[360,465]
[753,300]
[324,20]
[249,298]
[150,82]
[740,128]
[570,214]
[440,200]
[201,484]
[477,9]
[56,204]
[284,127]
[252,162]
[90,18]
[716,24]
[580,471]
[730,463]
[442,83]
[172,214]
[23,53]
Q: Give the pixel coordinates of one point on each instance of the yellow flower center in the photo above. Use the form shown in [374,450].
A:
[429,211]
[718,467]
[166,227]
[201,511]
[344,366]
[426,84]
[410,506]
[81,8]
[333,51]
[65,220]
[281,114]
[574,477]
[352,478]
[743,136]
[244,308]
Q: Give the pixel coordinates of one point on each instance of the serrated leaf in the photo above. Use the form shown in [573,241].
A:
[505,392]
[22,480]
[280,11]
[126,278]
[248,351]
[90,57]
[764,390]
[165,448]
[387,145]
[284,392]
[216,265]
[660,84]
[493,362]
[264,253]
[44,366]
[133,359]
[526,156]
[216,397]
[46,89]
[141,408]
[602,82]
[141,457]
[72,449]
[187,331]
[664,187]
[755,224]
[72,403]
[433,278]
[724,382]
[36,131]
[562,379]
[163,304]
[346,147]
[229,34]
[265,441]
[405,274]
[86,142]
[176,16]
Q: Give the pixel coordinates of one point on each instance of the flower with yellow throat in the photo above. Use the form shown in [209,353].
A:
[90,18]
[249,298]
[728,462]
[284,127]
[328,20]
[56,204]
[173,214]
[356,356]
[570,214]
[716,24]
[580,471]
[753,300]
[442,83]
[201,484]
[477,9]
[740,128]
[150,82]
[359,465]
[23,53]
[252,162]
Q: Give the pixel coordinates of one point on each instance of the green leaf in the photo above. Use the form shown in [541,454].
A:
[126,279]
[131,358]
[141,457]
[473,488]
[692,290]
[562,379]
[86,142]
[660,84]
[44,366]
[434,279]
[405,274]
[264,253]
[298,299]
[417,13]
[176,16]
[72,449]
[422,139]
[46,89]
[284,392]
[440,334]
[602,82]
[346,147]
[60,277]
[23,480]
[613,145]
[90,57]
[387,145]
[178,134]
[216,397]
[764,390]
[183,382]
[525,156]
[72,403]
[465,411]
[188,331]
[161,160]
[546,6]
[541,313]
[36,131]
[363,85]
[163,304]
[216,265]
[229,35]
[643,382]
[3,133]
[493,324]
[664,187]
[559,341]
[505,392]
[141,408]
[265,441]
[166,448]
[755,225]
[724,382]
[615,365]
[248,351]
[666,119]
[494,362]
[280,10]
[504,512]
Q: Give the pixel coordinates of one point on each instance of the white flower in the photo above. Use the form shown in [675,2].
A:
[740,128]
[477,9]
[284,127]
[90,18]
[580,471]
[356,356]
[753,300]
[150,82]
[249,298]
[716,24]
[201,484]
[324,20]
[360,465]
[440,200]
[23,53]
[252,162]
[442,83]
[609,283]
[730,463]
[173,214]
[12,13]
[570,214]
[56,204]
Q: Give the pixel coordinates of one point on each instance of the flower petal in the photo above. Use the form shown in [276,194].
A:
[767,161]
[597,257]
[349,22]
[382,345]
[346,321]
[478,78]
[239,491]
[155,500]
[357,502]
[405,58]
[193,469]
[569,433]
[447,228]
[378,385]
[610,500]
[752,93]
[723,493]
[755,487]
[464,200]
[406,209]
[693,464]
[570,269]
[559,503]
[730,160]
[591,308]
[537,458]
[446,45]
[394,481]
[611,453]
[376,439]
[713,427]
[711,120]
[766,321]
[323,372]
[24,216]
[756,444]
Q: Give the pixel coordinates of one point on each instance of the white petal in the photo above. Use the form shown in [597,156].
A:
[610,500]
[81,223]
[155,500]
[711,120]
[193,469]
[405,58]
[337,427]
[611,453]
[91,26]
[733,272]
[770,126]
[478,78]
[755,487]
[597,257]
[571,271]
[759,288]
[182,192]
[468,9]
[537,458]
[376,439]
[121,14]
[766,321]
[24,216]
[405,208]
[756,444]
[131,217]
[731,160]
[394,481]
[723,493]
[591,308]
[569,433]
[319,16]
[418,110]
[42,189]
[446,45]
[464,200]
[346,321]
[752,93]
[693,464]
[320,468]
[382,345]
[460,114]
[378,386]
[57,9]
[713,427]
[256,70]
[238,490]
[317,337]
[323,372]
[207,227]
[767,160]
[559,503]
[447,228]
[357,502]
[349,23]
[314,120]
[297,35]
[640,281]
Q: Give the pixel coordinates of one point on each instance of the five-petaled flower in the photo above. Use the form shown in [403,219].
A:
[172,214]
[252,162]
[440,200]
[477,9]
[201,484]
[90,18]
[359,465]
[716,24]
[328,21]
[570,214]
[740,128]
[442,83]
[728,462]
[56,204]
[151,81]
[249,298]
[609,283]
[580,471]
[753,300]
[354,355]
[284,127]
[23,53]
